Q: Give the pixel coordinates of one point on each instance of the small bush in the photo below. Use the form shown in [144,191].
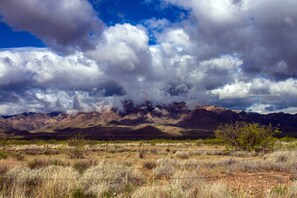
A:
[4,168]
[16,155]
[44,182]
[164,171]
[42,162]
[182,154]
[199,143]
[247,136]
[3,154]
[154,151]
[106,179]
[4,142]
[76,141]
[279,191]
[38,163]
[149,164]
[83,165]
[151,192]
[77,153]
[293,172]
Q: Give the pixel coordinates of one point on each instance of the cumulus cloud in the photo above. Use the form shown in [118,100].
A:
[62,24]
[238,54]
[46,81]
[260,94]
[262,32]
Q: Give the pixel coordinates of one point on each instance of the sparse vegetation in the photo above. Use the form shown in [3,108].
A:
[167,169]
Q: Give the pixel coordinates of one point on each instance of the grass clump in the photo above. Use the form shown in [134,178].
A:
[149,164]
[108,179]
[183,154]
[42,162]
[3,154]
[83,165]
[44,182]
[76,150]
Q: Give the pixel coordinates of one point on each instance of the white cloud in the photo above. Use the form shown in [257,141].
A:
[62,24]
[234,53]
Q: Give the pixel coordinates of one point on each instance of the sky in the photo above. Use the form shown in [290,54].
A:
[86,55]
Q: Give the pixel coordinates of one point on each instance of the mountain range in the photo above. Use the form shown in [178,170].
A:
[145,121]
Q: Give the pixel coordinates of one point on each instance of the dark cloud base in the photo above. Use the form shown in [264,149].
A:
[235,54]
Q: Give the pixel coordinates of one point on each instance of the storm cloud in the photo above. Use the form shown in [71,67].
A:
[64,25]
[235,54]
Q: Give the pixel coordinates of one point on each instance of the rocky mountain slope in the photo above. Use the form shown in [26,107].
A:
[144,121]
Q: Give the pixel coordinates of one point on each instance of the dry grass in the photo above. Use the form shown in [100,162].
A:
[108,179]
[43,162]
[44,182]
[164,170]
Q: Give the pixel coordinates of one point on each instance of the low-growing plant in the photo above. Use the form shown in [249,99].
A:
[42,162]
[164,171]
[45,182]
[199,143]
[247,136]
[4,168]
[4,142]
[18,156]
[3,154]
[83,165]
[77,150]
[183,154]
[279,191]
[142,153]
[106,179]
[149,164]
[76,153]
[76,141]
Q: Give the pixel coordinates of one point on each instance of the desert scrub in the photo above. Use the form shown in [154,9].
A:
[83,165]
[247,136]
[200,189]
[281,191]
[185,180]
[165,168]
[199,143]
[151,192]
[4,168]
[3,154]
[77,153]
[77,149]
[108,179]
[51,181]
[183,154]
[42,162]
[191,164]
[150,164]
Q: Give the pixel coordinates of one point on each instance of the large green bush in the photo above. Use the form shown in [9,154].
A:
[247,136]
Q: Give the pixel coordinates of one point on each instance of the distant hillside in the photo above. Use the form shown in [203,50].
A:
[144,121]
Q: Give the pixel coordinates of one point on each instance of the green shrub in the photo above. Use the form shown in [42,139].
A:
[247,136]
[3,154]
